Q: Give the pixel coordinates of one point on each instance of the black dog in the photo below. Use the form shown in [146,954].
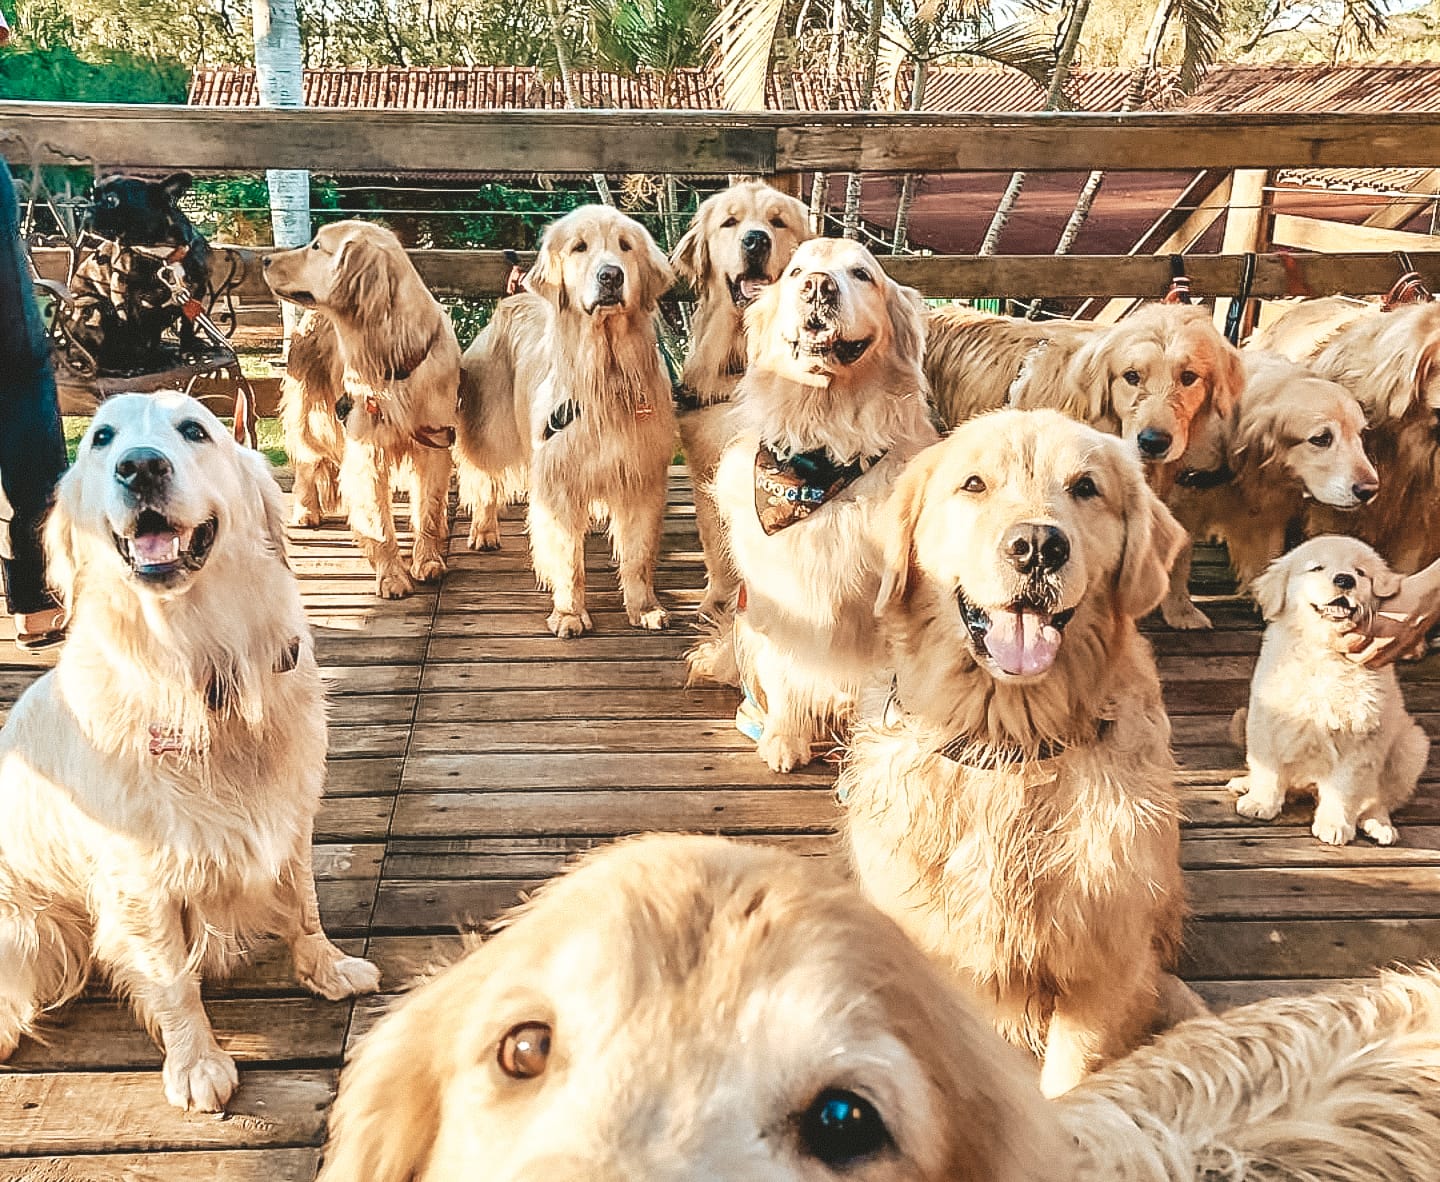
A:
[122,308]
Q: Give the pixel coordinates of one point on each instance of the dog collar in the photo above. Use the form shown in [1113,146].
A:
[169,740]
[790,490]
[969,751]
[1201,479]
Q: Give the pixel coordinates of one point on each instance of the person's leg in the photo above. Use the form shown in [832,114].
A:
[32,444]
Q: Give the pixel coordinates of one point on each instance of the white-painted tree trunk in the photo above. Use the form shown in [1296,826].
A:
[279,77]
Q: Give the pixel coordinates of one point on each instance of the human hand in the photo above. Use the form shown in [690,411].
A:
[1398,625]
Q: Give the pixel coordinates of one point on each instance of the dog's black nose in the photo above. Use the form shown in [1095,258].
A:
[1032,548]
[610,277]
[1154,442]
[819,285]
[144,471]
[1346,582]
[756,245]
[1364,492]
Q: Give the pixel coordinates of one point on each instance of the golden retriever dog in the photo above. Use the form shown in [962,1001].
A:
[1390,361]
[1009,798]
[565,394]
[690,1007]
[1155,378]
[1308,326]
[159,785]
[1295,438]
[1317,721]
[737,245]
[831,407]
[370,393]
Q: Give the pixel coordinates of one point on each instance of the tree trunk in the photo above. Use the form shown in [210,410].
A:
[280,79]
[572,95]
[911,180]
[1064,55]
[867,102]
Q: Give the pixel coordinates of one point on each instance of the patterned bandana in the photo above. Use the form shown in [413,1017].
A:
[787,491]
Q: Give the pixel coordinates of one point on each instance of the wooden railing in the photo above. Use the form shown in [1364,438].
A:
[776,144]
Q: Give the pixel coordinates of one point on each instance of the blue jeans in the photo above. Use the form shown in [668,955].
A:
[32,444]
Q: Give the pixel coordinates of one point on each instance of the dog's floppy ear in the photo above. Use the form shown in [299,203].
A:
[1228,381]
[365,275]
[272,500]
[895,530]
[1268,588]
[1153,539]
[60,563]
[546,277]
[176,185]
[691,255]
[1087,378]
[656,277]
[907,322]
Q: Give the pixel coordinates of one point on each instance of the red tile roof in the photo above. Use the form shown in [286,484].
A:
[1379,89]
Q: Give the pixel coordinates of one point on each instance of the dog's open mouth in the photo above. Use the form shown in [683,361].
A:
[746,289]
[824,342]
[1021,640]
[1337,610]
[305,299]
[158,548]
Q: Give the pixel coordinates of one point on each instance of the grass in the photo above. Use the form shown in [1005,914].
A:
[269,436]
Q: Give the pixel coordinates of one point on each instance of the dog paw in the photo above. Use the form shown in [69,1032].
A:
[1332,831]
[566,625]
[393,584]
[1378,831]
[428,570]
[652,619]
[1259,808]
[340,978]
[1185,616]
[1238,785]
[784,753]
[9,1041]
[202,1082]
[483,539]
[304,518]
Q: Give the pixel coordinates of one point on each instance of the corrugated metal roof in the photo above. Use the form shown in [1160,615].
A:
[1377,89]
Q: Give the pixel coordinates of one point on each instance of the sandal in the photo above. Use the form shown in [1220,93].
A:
[37,631]
[35,642]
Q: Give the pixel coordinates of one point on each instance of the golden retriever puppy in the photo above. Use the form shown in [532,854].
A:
[1010,800]
[158,786]
[1154,378]
[371,387]
[1390,361]
[831,408]
[1295,438]
[684,1008]
[680,1008]
[738,243]
[565,395]
[1318,721]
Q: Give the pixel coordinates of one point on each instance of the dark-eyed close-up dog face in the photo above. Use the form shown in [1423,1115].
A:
[137,212]
[1156,374]
[831,313]
[597,260]
[1330,583]
[1018,528]
[740,241]
[755,1021]
[158,490]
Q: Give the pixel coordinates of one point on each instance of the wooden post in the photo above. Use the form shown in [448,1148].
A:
[1246,227]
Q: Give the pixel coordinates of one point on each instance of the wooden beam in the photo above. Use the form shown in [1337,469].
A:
[1400,210]
[1317,234]
[1245,228]
[385,141]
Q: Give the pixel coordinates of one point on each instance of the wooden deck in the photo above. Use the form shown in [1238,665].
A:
[471,753]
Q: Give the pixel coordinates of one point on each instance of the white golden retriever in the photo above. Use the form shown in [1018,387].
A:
[831,408]
[1318,721]
[158,787]
[684,1008]
[369,395]
[565,395]
[1294,439]
[1010,798]
[739,243]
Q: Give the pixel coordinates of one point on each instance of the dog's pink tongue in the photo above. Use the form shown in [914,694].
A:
[1022,642]
[156,549]
[750,288]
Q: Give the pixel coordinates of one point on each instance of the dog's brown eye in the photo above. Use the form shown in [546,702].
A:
[193,431]
[580,248]
[1132,376]
[624,244]
[728,222]
[102,437]
[778,223]
[974,485]
[315,246]
[840,1128]
[1323,438]
[863,275]
[1084,489]
[525,1050]
[1189,377]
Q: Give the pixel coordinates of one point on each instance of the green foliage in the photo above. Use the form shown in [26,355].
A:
[56,73]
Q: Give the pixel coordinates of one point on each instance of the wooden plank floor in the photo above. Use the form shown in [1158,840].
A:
[471,754]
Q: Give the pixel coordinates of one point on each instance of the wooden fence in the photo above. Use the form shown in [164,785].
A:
[785,144]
